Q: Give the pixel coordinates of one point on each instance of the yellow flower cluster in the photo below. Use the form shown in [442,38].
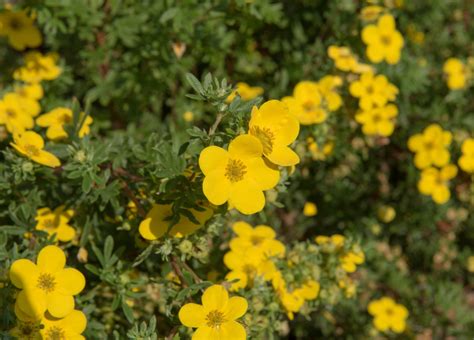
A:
[466,161]
[349,259]
[345,60]
[56,222]
[456,73]
[388,315]
[250,254]
[376,114]
[45,303]
[215,318]
[245,91]
[383,40]
[20,30]
[249,166]
[157,222]
[311,101]
[431,152]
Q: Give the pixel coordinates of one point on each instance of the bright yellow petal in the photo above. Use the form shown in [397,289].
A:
[32,301]
[242,228]
[211,158]
[51,259]
[70,281]
[23,272]
[216,187]
[206,333]
[232,330]
[59,305]
[237,275]
[154,225]
[263,175]
[245,146]
[247,197]
[47,158]
[192,315]
[214,298]
[236,308]
[75,321]
[65,233]
[283,156]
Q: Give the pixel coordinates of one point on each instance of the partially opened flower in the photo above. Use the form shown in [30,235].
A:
[305,103]
[261,237]
[276,128]
[47,285]
[13,114]
[215,318]
[238,176]
[157,222]
[351,259]
[56,119]
[31,145]
[56,222]
[19,29]
[38,67]
[310,209]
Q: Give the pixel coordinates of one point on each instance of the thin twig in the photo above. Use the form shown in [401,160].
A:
[191,271]
[173,332]
[177,270]
[214,126]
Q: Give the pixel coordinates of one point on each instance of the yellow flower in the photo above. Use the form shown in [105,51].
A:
[456,73]
[342,57]
[466,161]
[238,175]
[386,213]
[309,290]
[31,145]
[47,285]
[318,153]
[388,315]
[305,103]
[310,209]
[261,237]
[56,222]
[351,259]
[294,300]
[245,91]
[434,182]
[188,116]
[378,120]
[55,120]
[157,222]
[38,67]
[327,87]
[19,29]
[371,13]
[430,147]
[70,327]
[373,90]
[276,128]
[13,114]
[33,91]
[335,241]
[26,330]
[27,95]
[246,266]
[383,40]
[215,318]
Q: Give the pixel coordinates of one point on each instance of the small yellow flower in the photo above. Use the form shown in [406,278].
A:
[310,209]
[378,120]
[238,176]
[306,103]
[13,114]
[276,128]
[351,259]
[56,119]
[19,29]
[466,161]
[342,57]
[261,237]
[47,285]
[31,145]
[386,213]
[157,222]
[318,153]
[33,91]
[56,222]
[245,91]
[188,116]
[336,240]
[388,315]
[456,73]
[430,147]
[383,40]
[215,318]
[371,13]
[327,86]
[246,265]
[434,182]
[38,67]
[373,90]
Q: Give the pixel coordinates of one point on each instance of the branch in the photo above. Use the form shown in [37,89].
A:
[177,270]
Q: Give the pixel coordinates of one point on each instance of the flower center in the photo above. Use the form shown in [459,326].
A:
[31,150]
[64,119]
[11,113]
[15,24]
[376,118]
[49,224]
[308,106]
[46,282]
[235,170]
[386,40]
[370,89]
[55,333]
[215,318]
[256,240]
[266,137]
